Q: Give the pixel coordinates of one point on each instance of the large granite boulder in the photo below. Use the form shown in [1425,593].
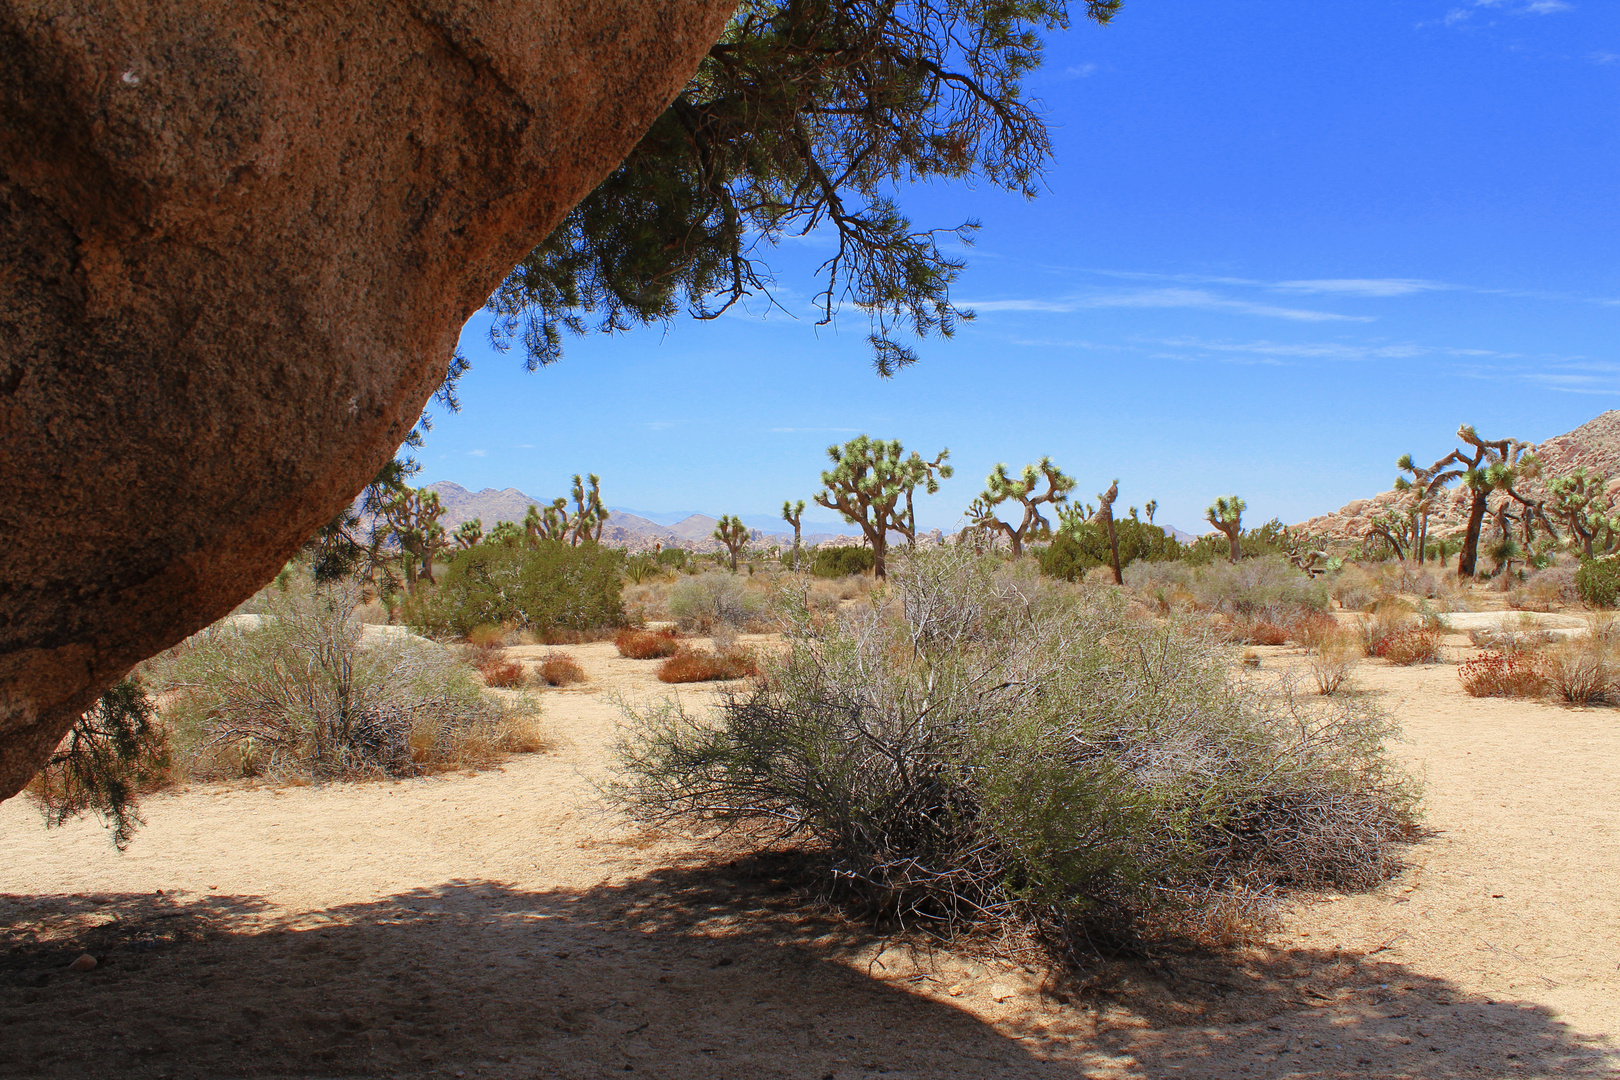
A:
[237,243]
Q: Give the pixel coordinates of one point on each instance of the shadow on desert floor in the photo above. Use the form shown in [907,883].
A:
[706,971]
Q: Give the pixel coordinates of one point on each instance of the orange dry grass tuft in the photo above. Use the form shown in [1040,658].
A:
[560,669]
[701,665]
[505,674]
[646,644]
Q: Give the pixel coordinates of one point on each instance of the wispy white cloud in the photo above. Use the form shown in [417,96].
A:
[1546,7]
[1363,286]
[815,430]
[1200,299]
[523,446]
[478,453]
[1081,71]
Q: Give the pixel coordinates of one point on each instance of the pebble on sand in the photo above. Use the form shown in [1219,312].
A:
[86,962]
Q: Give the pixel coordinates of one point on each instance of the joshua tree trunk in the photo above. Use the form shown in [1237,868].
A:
[1469,553]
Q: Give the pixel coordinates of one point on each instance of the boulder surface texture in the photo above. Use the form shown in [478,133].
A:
[237,244]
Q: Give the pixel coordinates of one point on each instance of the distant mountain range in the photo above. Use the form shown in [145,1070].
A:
[638,529]
[624,528]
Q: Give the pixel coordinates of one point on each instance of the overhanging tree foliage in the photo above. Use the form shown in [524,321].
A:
[803,117]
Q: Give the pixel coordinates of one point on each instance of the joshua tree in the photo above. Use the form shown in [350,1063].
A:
[868,479]
[731,532]
[1397,531]
[1000,487]
[906,523]
[469,533]
[509,533]
[1580,500]
[791,513]
[1423,487]
[413,517]
[550,522]
[1149,507]
[1226,514]
[589,513]
[1496,465]
[1105,517]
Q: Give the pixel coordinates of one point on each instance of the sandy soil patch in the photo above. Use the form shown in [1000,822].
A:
[498,924]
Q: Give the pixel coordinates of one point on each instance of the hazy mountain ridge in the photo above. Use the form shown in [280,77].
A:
[694,531]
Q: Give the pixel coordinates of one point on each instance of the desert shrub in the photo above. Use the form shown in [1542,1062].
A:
[1547,589]
[642,567]
[1597,582]
[537,589]
[1582,672]
[1503,674]
[1269,589]
[1311,629]
[1258,632]
[836,562]
[501,673]
[645,644]
[1270,539]
[300,696]
[976,752]
[112,755]
[560,669]
[689,665]
[1331,658]
[1386,619]
[1415,645]
[717,596]
[1077,549]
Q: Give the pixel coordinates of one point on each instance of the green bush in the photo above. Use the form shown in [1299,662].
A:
[836,562]
[715,598]
[988,749]
[1268,539]
[1598,582]
[294,692]
[1074,550]
[549,586]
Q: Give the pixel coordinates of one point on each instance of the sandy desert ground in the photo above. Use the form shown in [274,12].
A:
[501,925]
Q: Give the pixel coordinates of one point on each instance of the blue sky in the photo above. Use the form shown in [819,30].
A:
[1280,244]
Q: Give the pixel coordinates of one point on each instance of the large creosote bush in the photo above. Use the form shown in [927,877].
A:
[300,694]
[981,744]
[541,588]
[1598,582]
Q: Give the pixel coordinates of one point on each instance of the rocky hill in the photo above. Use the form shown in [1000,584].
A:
[1594,445]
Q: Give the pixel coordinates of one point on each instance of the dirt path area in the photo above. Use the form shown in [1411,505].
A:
[499,925]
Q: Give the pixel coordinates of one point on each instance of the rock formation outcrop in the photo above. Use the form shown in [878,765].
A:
[237,243]
[1595,445]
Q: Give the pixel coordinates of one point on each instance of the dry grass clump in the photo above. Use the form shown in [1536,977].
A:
[980,752]
[299,697]
[1331,659]
[1415,645]
[1258,632]
[636,644]
[1552,589]
[560,669]
[1504,674]
[689,665]
[1581,672]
